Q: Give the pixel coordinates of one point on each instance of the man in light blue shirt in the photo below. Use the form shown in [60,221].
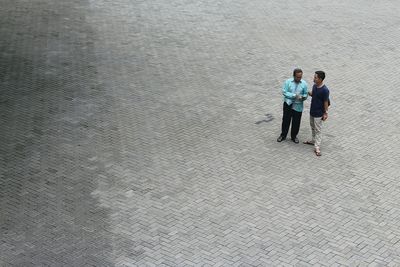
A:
[294,93]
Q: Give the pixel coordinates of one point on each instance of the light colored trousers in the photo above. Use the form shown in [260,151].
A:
[316,127]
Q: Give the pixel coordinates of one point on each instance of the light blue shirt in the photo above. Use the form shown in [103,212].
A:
[290,89]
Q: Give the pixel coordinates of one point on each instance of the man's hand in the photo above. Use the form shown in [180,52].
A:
[300,97]
[325,116]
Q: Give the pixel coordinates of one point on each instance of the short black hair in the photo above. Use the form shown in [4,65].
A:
[320,74]
[297,70]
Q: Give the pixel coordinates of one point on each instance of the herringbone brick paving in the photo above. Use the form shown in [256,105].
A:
[143,133]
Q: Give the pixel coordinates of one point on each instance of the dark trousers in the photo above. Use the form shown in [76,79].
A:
[290,115]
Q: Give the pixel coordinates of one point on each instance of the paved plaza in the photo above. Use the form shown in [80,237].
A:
[143,133]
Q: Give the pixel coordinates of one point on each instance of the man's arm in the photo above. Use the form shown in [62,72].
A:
[326,106]
[305,92]
[286,92]
[325,115]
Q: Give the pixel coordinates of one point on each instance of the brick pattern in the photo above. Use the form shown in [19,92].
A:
[143,133]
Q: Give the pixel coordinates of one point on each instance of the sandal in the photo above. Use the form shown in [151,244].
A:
[308,143]
[317,153]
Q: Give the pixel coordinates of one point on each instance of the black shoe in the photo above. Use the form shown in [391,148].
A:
[296,140]
[281,138]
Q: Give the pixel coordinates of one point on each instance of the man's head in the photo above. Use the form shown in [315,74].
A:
[319,77]
[297,75]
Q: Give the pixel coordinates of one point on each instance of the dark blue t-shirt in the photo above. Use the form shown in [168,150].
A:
[319,96]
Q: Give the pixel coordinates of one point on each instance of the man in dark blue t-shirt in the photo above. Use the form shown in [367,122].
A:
[318,110]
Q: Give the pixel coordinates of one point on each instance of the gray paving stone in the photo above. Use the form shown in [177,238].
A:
[142,133]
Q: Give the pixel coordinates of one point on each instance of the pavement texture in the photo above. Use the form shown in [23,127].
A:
[143,133]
